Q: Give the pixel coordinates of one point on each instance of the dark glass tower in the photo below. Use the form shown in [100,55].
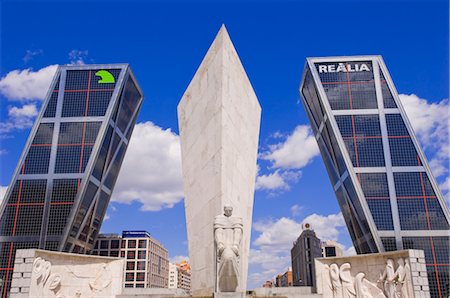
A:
[64,179]
[382,180]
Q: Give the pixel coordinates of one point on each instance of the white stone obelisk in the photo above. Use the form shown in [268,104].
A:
[219,118]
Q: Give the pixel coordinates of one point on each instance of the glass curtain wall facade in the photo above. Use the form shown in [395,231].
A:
[382,180]
[63,182]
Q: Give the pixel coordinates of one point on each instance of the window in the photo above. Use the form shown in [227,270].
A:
[114,253]
[131,254]
[142,243]
[129,276]
[130,265]
[104,244]
[142,254]
[141,265]
[131,243]
[140,276]
[114,244]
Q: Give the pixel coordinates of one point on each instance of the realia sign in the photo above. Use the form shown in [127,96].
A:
[343,67]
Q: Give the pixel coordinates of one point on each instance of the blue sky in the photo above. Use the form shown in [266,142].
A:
[165,41]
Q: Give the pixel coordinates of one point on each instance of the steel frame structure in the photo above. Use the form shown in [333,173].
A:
[117,102]
[373,235]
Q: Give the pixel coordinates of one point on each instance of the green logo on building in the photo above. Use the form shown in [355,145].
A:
[106,77]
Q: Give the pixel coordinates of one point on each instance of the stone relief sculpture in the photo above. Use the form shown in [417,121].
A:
[397,284]
[227,234]
[408,284]
[336,284]
[388,279]
[48,285]
[103,278]
[327,290]
[348,286]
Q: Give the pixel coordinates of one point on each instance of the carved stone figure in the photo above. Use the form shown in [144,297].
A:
[407,283]
[361,290]
[341,284]
[348,286]
[227,234]
[400,274]
[102,279]
[48,285]
[327,290]
[335,281]
[388,278]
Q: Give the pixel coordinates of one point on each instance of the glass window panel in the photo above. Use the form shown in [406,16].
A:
[389,243]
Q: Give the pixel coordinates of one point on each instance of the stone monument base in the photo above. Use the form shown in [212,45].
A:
[152,293]
[49,274]
[288,292]
[229,295]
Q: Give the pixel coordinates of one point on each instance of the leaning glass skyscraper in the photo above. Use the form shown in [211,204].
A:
[63,182]
[382,180]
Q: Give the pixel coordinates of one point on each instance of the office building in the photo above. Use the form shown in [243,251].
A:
[285,279]
[180,276]
[61,187]
[146,259]
[331,248]
[305,249]
[173,276]
[383,183]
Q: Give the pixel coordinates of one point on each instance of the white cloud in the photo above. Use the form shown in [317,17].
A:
[445,188]
[151,171]
[3,190]
[3,152]
[78,57]
[178,259]
[431,123]
[19,118]
[270,253]
[276,180]
[26,84]
[350,251]
[295,152]
[31,54]
[296,210]
[28,110]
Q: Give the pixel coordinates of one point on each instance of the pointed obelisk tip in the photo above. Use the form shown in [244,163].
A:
[223,31]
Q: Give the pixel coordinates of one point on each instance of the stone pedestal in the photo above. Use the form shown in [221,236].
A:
[366,271]
[229,295]
[40,273]
[219,118]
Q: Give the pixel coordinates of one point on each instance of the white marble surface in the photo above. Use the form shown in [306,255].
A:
[369,273]
[40,273]
[219,118]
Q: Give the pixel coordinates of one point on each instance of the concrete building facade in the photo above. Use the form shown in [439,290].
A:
[331,248]
[173,276]
[285,279]
[383,183]
[305,249]
[62,185]
[146,259]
